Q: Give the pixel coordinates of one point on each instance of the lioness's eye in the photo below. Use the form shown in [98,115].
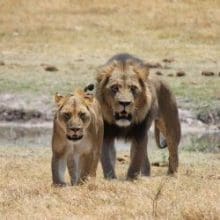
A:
[114,88]
[134,89]
[82,115]
[66,116]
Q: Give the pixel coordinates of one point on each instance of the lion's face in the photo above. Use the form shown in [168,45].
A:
[124,92]
[73,116]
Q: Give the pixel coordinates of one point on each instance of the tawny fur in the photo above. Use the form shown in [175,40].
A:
[123,83]
[78,116]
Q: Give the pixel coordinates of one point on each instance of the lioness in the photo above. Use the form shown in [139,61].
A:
[130,101]
[77,137]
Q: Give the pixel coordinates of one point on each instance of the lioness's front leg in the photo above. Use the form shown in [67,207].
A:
[138,153]
[108,159]
[89,166]
[94,164]
[86,163]
[58,166]
[74,167]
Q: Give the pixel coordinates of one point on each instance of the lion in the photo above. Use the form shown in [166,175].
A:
[131,101]
[77,137]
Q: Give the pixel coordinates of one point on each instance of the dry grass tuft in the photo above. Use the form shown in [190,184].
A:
[26,192]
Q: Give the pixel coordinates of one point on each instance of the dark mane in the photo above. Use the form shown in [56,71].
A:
[137,131]
[124,58]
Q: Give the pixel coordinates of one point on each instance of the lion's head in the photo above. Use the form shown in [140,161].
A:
[74,114]
[122,90]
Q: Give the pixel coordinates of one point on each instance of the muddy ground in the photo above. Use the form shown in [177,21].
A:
[20,108]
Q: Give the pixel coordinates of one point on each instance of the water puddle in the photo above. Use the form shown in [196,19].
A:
[39,135]
[34,135]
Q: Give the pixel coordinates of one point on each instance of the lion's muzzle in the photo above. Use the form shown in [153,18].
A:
[123,118]
[124,103]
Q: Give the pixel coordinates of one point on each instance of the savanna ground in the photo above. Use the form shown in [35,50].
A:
[26,191]
[76,37]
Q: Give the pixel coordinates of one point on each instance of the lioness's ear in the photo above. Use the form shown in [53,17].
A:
[89,88]
[58,99]
[89,97]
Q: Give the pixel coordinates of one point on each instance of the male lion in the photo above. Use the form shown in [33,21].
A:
[77,137]
[130,101]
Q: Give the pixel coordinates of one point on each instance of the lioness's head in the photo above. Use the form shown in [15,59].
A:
[122,91]
[73,114]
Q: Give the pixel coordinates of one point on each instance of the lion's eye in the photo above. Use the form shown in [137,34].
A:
[82,115]
[134,89]
[66,116]
[114,88]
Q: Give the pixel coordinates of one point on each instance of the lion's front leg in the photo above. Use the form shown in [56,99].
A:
[145,168]
[138,153]
[108,158]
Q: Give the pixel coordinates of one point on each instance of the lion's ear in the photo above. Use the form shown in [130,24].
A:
[58,99]
[102,78]
[104,72]
[146,70]
[142,70]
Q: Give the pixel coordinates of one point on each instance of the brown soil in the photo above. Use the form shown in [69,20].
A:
[207,73]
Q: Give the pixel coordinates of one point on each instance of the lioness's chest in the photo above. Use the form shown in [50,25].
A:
[82,147]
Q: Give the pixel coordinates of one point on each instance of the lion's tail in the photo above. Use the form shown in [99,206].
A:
[160,141]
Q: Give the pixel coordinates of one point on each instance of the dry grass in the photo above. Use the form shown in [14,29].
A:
[79,36]
[143,27]
[26,192]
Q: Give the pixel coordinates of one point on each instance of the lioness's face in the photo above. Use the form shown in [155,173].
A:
[123,92]
[73,117]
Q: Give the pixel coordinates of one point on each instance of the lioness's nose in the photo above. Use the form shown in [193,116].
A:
[75,129]
[124,103]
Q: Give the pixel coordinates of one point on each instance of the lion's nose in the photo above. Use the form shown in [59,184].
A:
[124,103]
[75,129]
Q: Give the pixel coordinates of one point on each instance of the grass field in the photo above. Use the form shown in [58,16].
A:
[26,191]
[77,37]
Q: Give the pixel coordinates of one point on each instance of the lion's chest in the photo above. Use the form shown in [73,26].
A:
[137,131]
